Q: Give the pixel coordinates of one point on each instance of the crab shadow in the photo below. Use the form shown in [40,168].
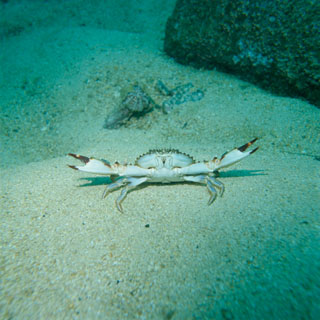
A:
[240,173]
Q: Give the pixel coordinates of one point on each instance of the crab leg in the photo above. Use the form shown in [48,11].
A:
[215,183]
[133,182]
[115,185]
[212,191]
[211,184]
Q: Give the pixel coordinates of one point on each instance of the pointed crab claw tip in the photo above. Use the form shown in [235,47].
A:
[247,145]
[79,157]
[252,141]
[254,150]
[72,167]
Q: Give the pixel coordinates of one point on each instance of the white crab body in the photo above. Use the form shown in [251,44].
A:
[163,166]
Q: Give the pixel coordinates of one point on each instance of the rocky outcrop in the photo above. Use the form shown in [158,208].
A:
[274,43]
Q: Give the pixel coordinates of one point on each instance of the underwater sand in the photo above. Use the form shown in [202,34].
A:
[68,254]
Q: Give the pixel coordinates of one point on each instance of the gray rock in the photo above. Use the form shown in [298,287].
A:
[136,104]
[178,95]
[274,43]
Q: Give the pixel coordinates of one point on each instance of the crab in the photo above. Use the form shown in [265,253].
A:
[163,166]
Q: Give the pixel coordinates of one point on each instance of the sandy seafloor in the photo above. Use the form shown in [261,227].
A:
[68,254]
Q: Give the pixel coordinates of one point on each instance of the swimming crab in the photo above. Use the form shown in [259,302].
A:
[163,166]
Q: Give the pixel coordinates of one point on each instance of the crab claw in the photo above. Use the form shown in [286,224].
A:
[235,155]
[92,165]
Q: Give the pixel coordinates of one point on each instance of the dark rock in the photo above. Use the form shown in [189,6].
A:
[274,43]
